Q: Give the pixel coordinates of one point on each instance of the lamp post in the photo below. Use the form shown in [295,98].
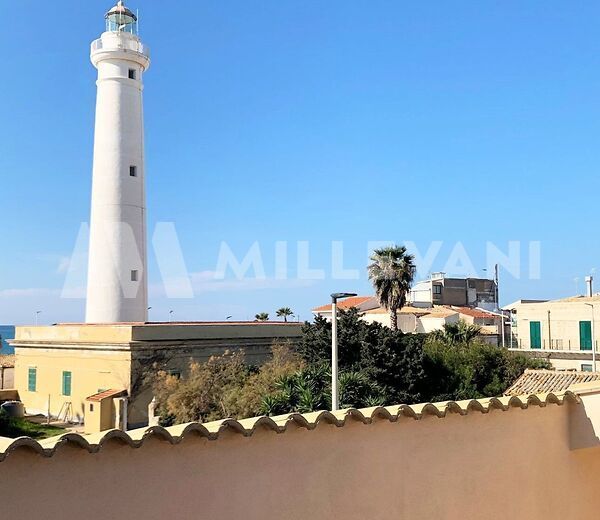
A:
[37,315]
[335,395]
[591,305]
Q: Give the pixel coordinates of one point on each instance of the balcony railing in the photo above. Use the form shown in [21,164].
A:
[560,345]
[127,44]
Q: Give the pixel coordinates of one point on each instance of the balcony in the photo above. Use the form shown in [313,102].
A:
[121,43]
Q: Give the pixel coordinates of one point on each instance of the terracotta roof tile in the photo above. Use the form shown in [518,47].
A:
[534,381]
[353,301]
[407,309]
[7,360]
[247,427]
[106,394]
[474,313]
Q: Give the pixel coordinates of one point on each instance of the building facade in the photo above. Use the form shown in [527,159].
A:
[563,331]
[466,292]
[58,368]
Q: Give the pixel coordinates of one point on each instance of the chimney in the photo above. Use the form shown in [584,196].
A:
[588,282]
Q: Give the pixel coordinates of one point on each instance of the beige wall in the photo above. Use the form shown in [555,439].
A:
[92,369]
[407,323]
[501,465]
[559,324]
[562,331]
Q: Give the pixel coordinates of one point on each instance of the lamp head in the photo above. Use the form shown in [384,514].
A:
[339,295]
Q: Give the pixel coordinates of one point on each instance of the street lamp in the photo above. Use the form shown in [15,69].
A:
[591,305]
[37,315]
[171,316]
[335,395]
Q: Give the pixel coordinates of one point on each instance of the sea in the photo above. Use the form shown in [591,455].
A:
[6,332]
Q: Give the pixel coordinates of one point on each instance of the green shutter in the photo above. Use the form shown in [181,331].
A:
[32,379]
[535,334]
[66,383]
[585,335]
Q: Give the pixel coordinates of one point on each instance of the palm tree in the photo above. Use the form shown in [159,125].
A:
[391,272]
[262,316]
[284,312]
[459,333]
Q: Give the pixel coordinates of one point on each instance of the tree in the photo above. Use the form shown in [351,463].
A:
[455,371]
[283,363]
[262,316]
[392,360]
[205,394]
[284,312]
[224,386]
[392,271]
[310,389]
[460,332]
[378,366]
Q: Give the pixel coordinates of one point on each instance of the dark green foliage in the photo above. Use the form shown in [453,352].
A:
[471,370]
[391,360]
[458,333]
[411,368]
[310,389]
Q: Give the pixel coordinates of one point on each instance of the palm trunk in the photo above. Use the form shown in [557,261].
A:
[394,318]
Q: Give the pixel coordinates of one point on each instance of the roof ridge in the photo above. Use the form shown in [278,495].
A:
[247,427]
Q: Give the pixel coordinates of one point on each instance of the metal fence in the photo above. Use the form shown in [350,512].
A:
[568,345]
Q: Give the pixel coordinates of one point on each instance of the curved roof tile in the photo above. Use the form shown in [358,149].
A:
[279,424]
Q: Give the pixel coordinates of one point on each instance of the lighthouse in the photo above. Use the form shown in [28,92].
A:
[117,288]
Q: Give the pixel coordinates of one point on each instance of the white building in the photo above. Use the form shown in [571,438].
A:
[440,289]
[420,319]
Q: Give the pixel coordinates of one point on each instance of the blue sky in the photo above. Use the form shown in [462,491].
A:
[269,121]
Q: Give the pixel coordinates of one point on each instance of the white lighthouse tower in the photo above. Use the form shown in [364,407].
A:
[117,272]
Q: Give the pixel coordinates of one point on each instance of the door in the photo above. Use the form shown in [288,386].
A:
[585,335]
[535,334]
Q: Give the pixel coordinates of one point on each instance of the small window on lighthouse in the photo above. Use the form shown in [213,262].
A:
[134,276]
[133,171]
[132,74]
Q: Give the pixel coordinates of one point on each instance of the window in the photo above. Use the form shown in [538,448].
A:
[133,171]
[585,367]
[134,276]
[585,335]
[66,383]
[437,289]
[32,379]
[91,407]
[132,74]
[175,373]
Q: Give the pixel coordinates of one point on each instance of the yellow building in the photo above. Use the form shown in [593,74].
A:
[58,368]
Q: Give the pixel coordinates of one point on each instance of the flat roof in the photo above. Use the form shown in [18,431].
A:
[123,333]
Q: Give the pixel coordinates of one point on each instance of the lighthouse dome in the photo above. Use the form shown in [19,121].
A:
[121,19]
